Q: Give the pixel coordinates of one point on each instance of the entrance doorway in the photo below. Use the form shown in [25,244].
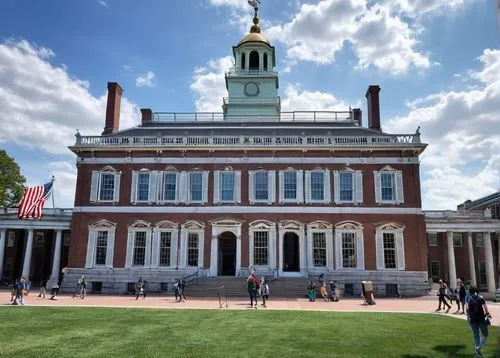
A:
[227,254]
[291,261]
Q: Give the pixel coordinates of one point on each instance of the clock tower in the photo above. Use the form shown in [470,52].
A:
[252,83]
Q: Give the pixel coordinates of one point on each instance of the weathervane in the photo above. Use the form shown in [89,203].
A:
[255,4]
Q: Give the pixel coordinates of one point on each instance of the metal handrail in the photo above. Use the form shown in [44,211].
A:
[191,278]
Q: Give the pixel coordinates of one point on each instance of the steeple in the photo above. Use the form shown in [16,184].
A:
[255,34]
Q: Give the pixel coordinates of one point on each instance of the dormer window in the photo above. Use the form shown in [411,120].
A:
[243,60]
[254,61]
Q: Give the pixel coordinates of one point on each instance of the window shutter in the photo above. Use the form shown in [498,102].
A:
[237,186]
[379,247]
[251,190]
[281,186]
[89,263]
[336,186]
[400,250]
[360,251]
[338,249]
[183,250]
[155,244]
[147,258]
[161,186]
[188,186]
[271,186]
[110,250]
[326,187]
[399,187]
[217,188]
[308,186]
[94,186]
[300,186]
[130,249]
[178,192]
[116,194]
[204,187]
[200,243]
[182,190]
[133,189]
[153,185]
[378,187]
[173,247]
[358,187]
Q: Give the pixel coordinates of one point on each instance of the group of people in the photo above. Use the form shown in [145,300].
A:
[20,289]
[257,288]
[330,295]
[472,304]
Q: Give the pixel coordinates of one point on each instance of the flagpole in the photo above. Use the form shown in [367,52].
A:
[53,179]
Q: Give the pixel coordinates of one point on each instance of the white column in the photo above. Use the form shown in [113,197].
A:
[238,255]
[261,61]
[451,261]
[27,254]
[309,250]
[272,249]
[302,250]
[213,255]
[183,249]
[472,263]
[490,271]
[3,232]
[56,262]
[280,258]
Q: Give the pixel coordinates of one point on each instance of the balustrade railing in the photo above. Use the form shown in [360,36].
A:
[46,211]
[451,214]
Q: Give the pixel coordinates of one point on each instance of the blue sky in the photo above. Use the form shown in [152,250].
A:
[437,62]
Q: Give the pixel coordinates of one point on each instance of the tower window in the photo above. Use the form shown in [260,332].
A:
[265,62]
[254,60]
[243,58]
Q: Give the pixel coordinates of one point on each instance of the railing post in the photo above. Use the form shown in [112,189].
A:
[175,117]
[314,116]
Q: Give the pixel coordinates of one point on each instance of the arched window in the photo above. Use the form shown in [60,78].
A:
[265,62]
[243,58]
[254,61]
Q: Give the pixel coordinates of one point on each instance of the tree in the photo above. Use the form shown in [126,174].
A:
[11,181]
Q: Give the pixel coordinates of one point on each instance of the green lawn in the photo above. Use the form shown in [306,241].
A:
[121,332]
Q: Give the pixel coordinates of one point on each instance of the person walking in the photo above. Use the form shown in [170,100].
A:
[264,291]
[43,289]
[252,289]
[461,296]
[442,296]
[22,290]
[140,289]
[478,317]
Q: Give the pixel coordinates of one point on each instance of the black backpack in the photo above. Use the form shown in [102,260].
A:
[476,312]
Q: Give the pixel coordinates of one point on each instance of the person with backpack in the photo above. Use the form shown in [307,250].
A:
[478,317]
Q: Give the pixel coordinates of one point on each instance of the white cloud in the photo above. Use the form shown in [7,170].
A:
[461,127]
[40,101]
[146,79]
[296,99]
[104,3]
[232,3]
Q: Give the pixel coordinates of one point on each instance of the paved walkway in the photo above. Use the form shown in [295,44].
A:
[408,305]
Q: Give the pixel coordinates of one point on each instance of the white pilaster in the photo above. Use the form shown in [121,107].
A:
[302,250]
[451,260]
[183,248]
[27,254]
[238,255]
[280,253]
[309,253]
[56,262]
[213,254]
[3,232]
[490,271]
[272,249]
[472,263]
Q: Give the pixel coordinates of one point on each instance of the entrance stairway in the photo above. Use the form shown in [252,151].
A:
[236,287]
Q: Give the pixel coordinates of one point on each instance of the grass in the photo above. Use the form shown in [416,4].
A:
[119,332]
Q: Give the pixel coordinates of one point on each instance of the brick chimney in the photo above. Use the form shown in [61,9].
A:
[113,108]
[356,116]
[147,116]
[373,107]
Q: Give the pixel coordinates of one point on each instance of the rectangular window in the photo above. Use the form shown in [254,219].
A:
[101,248]
[192,259]
[389,251]
[317,186]
[39,240]
[479,240]
[348,249]
[435,269]
[260,247]
[432,237]
[169,186]
[11,239]
[165,245]
[261,186]
[67,238]
[227,186]
[290,185]
[482,273]
[346,184]
[388,189]
[319,248]
[457,240]
[107,187]
[143,187]
[196,186]
[139,248]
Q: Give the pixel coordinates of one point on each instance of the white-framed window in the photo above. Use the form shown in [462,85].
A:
[100,245]
[349,245]
[483,276]
[11,238]
[169,187]
[479,240]
[261,248]
[66,238]
[196,186]
[348,186]
[291,186]
[389,186]
[227,186]
[138,245]
[105,185]
[192,249]
[192,243]
[432,238]
[144,186]
[457,240]
[319,249]
[164,243]
[317,186]
[262,186]
[262,243]
[165,248]
[435,269]
[39,239]
[389,242]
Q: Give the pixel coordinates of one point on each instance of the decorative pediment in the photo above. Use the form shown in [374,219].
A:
[226,222]
[193,225]
[139,224]
[262,224]
[170,168]
[320,225]
[109,168]
[166,224]
[103,224]
[349,225]
[388,168]
[389,226]
[290,225]
[228,168]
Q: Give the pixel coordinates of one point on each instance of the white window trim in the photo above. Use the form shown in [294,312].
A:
[139,226]
[152,186]
[357,186]
[399,247]
[204,187]
[326,186]
[218,187]
[461,240]
[430,268]
[398,186]
[155,256]
[428,241]
[477,242]
[360,250]
[271,187]
[299,191]
[320,228]
[270,228]
[92,243]
[186,229]
[161,189]
[95,185]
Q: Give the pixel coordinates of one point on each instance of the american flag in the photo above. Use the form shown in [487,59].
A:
[33,200]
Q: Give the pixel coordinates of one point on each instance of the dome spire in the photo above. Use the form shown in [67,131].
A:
[255,28]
